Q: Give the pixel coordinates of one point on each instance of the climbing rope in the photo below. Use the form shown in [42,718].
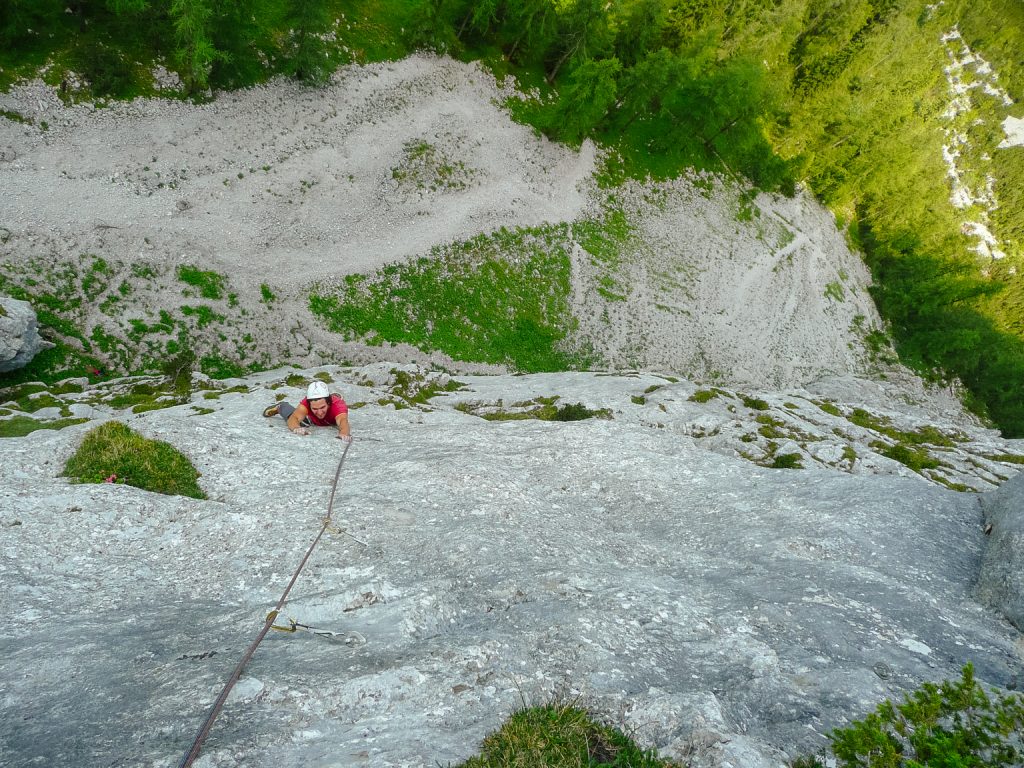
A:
[197,744]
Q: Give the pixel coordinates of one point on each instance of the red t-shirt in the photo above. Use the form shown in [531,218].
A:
[334,407]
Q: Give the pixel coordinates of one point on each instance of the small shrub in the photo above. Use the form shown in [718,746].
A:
[755,403]
[575,412]
[951,724]
[787,461]
[178,370]
[112,450]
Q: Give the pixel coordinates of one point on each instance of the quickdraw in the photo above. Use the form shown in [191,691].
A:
[351,638]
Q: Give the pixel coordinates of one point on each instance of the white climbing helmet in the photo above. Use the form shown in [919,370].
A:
[317,391]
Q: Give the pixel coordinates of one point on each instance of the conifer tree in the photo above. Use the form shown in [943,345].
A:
[195,51]
[309,21]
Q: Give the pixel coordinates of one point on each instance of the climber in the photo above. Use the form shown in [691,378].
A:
[318,408]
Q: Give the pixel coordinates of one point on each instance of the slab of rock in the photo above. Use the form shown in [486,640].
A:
[726,614]
[1001,581]
[19,334]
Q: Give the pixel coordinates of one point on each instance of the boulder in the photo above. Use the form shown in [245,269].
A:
[1001,580]
[19,334]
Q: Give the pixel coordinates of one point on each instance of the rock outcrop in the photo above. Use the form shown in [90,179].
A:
[19,334]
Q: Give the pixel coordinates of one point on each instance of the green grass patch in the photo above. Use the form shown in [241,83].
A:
[416,390]
[540,408]
[499,298]
[210,284]
[33,403]
[922,435]
[787,461]
[918,459]
[755,403]
[19,426]
[942,480]
[834,291]
[114,452]
[203,314]
[216,395]
[15,117]
[217,367]
[19,393]
[703,395]
[564,737]
[1006,458]
[830,408]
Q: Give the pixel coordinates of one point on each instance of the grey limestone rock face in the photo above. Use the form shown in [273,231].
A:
[726,614]
[19,334]
[1001,580]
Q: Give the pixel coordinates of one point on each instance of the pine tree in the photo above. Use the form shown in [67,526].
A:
[309,22]
[195,52]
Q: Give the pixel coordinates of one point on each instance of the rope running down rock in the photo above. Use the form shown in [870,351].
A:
[197,744]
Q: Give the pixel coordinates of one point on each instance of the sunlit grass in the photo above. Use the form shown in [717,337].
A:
[114,453]
[557,736]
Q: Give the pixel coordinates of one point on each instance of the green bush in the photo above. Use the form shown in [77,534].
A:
[952,725]
[114,453]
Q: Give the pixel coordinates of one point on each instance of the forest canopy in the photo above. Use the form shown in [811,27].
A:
[850,99]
